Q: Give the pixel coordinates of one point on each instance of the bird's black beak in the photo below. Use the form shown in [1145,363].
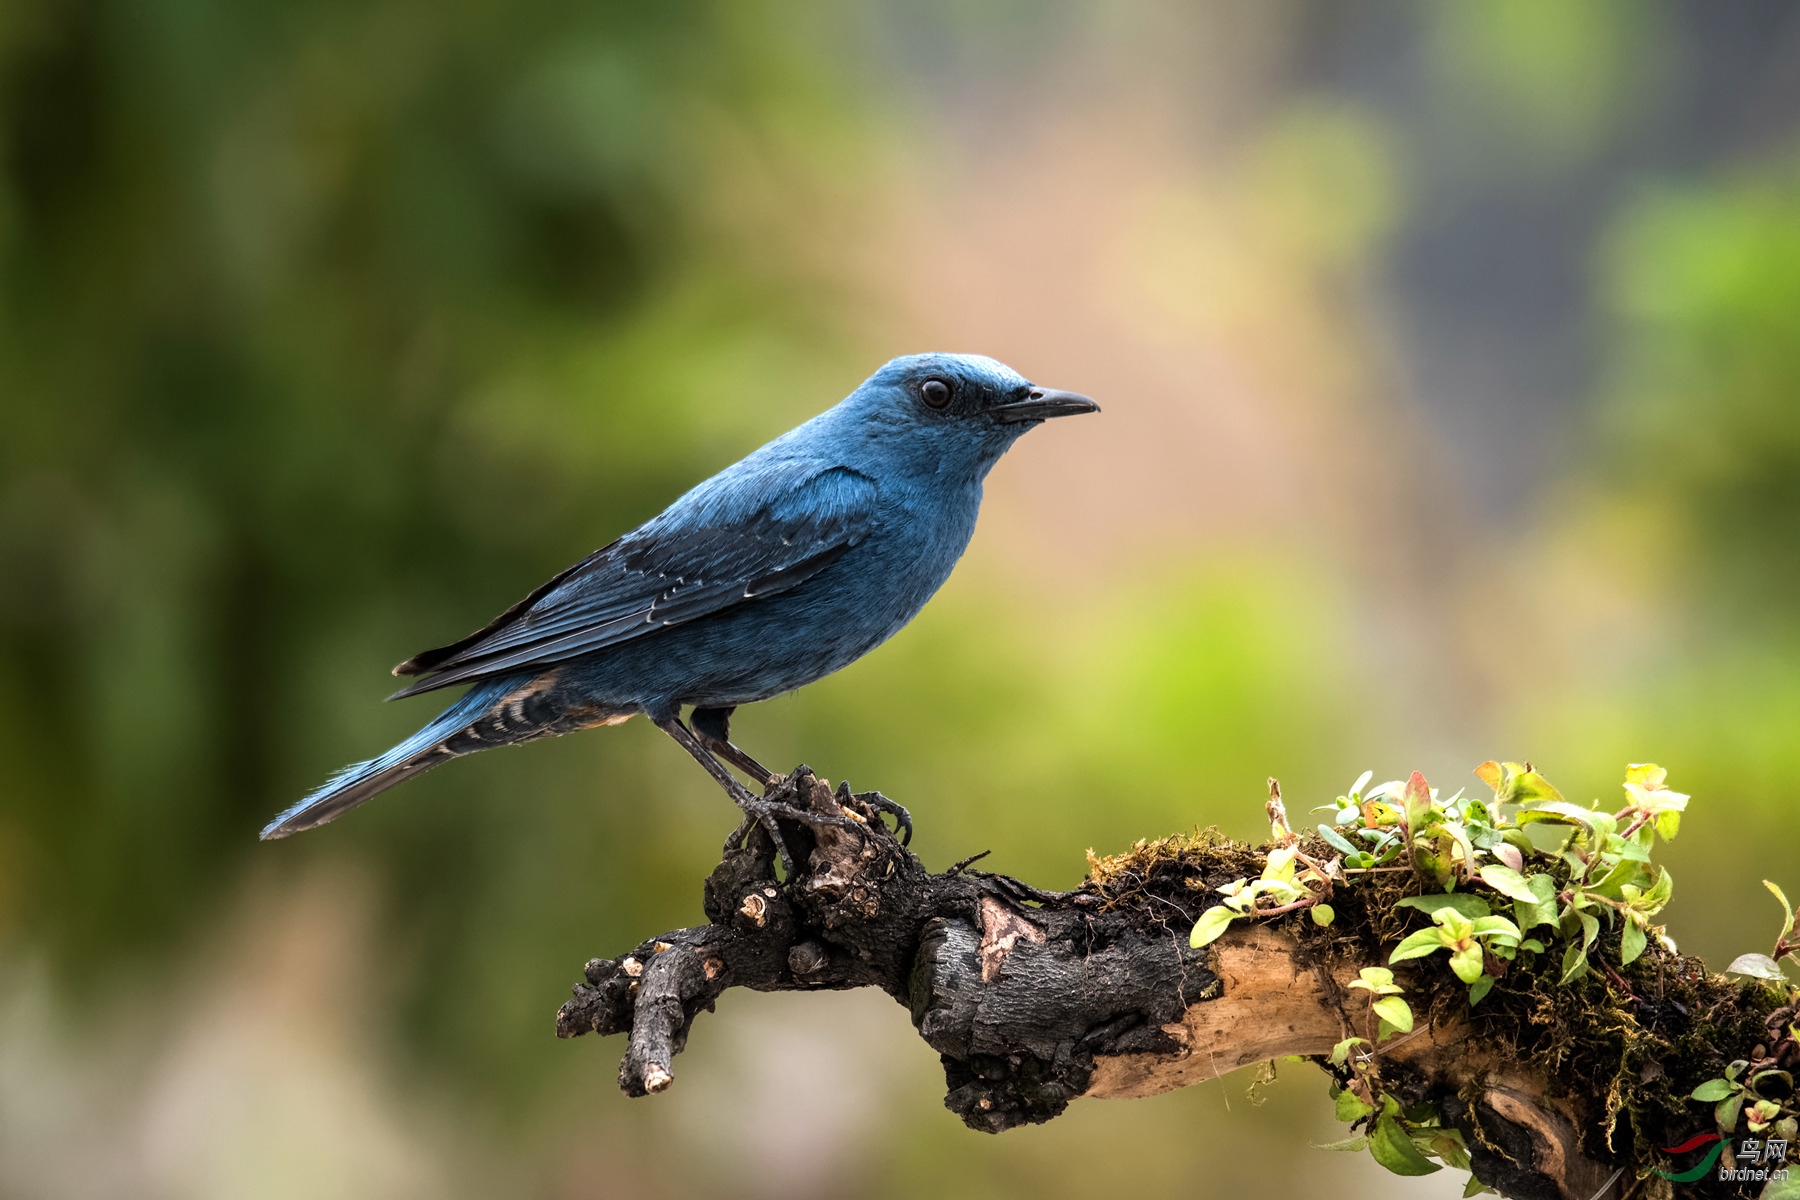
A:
[1042,404]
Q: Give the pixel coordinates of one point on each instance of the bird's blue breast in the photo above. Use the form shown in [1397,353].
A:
[763,648]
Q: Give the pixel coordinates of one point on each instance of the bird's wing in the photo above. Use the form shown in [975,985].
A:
[742,535]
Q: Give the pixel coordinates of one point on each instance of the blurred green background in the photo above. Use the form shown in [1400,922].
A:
[1450,357]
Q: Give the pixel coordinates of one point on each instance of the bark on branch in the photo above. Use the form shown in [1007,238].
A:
[1033,999]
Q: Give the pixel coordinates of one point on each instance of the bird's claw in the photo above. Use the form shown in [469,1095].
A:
[761,810]
[894,808]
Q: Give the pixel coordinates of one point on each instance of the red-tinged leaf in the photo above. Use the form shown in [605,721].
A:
[1418,802]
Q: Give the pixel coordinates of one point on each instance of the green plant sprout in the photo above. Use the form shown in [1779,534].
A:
[1468,941]
[1522,880]
[1283,886]
[1404,1140]
[1768,966]
[1760,1092]
[1735,1096]
[1388,1013]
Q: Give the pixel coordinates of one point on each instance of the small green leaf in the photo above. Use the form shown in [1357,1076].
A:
[1433,869]
[1653,901]
[1460,836]
[1508,882]
[1466,903]
[1726,1114]
[1213,922]
[1417,945]
[1631,943]
[1323,914]
[1574,964]
[1542,908]
[1395,1151]
[1280,867]
[1496,927]
[1336,840]
[1349,1108]
[1395,1012]
[1467,964]
[1610,885]
[1560,812]
[1340,1053]
[1533,945]
[1528,786]
[1756,966]
[1480,988]
[1473,1188]
[1358,1144]
[1712,1091]
[1448,1145]
[1516,783]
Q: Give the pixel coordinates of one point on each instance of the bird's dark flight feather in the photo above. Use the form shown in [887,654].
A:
[728,549]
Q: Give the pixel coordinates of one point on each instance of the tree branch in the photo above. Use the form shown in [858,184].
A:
[1033,999]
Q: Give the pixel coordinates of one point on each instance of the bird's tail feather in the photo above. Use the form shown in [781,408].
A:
[416,755]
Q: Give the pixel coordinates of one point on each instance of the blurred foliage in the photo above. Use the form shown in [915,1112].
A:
[1533,88]
[1705,281]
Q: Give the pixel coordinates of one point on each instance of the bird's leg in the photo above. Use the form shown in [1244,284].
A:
[713,727]
[758,808]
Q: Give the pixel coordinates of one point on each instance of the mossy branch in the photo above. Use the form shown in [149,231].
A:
[1033,999]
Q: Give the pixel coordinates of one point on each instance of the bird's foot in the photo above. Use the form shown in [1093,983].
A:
[902,818]
[767,812]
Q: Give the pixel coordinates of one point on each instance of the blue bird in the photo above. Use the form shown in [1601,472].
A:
[777,571]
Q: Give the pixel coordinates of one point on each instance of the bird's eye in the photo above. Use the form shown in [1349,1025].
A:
[935,392]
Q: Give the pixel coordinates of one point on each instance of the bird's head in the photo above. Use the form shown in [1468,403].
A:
[937,414]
